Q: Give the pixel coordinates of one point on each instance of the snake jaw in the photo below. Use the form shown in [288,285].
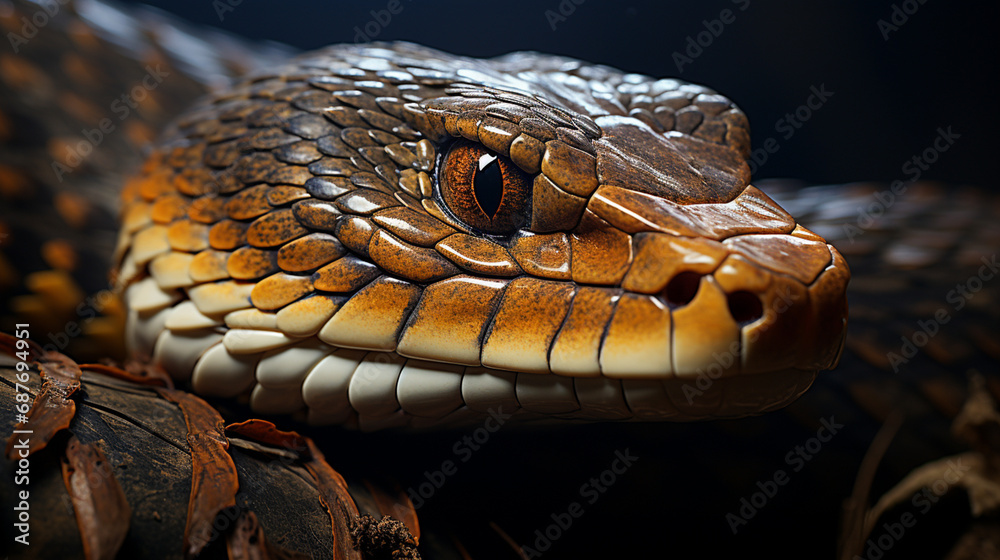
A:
[289,240]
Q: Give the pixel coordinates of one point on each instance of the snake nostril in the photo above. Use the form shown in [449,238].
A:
[745,307]
[682,288]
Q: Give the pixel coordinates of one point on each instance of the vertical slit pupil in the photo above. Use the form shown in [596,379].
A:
[487,185]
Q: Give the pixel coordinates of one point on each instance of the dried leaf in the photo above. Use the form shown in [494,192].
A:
[118,373]
[337,501]
[101,509]
[214,481]
[265,432]
[52,410]
[984,492]
[332,487]
[979,424]
[148,369]
[951,469]
[853,533]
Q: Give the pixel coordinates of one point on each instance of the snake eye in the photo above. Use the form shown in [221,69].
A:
[483,189]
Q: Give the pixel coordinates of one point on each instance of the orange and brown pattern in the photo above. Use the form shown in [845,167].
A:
[84,91]
[908,266]
[306,236]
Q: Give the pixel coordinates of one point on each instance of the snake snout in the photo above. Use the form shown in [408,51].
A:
[744,307]
[734,308]
[744,294]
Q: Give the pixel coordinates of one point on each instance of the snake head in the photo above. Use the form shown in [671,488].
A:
[389,235]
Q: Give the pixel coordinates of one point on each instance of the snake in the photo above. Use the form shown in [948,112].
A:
[387,235]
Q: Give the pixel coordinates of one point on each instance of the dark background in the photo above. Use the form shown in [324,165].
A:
[890,96]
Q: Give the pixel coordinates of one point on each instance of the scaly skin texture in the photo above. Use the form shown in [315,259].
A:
[689,477]
[291,237]
[82,98]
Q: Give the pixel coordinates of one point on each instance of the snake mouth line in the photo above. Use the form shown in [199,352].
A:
[714,340]
[241,352]
[371,390]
